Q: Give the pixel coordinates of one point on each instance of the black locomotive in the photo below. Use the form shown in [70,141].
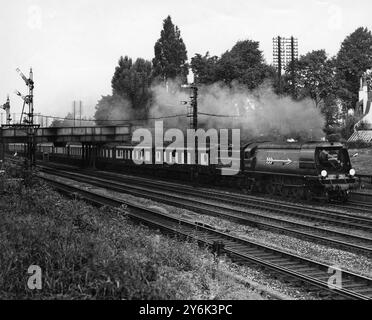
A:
[314,169]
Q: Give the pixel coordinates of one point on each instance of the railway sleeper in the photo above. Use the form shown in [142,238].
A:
[251,251]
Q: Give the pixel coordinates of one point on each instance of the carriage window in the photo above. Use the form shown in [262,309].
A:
[188,158]
[204,159]
[147,156]
[181,158]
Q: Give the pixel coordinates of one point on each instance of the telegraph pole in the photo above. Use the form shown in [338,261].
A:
[280,59]
[277,54]
[194,107]
[294,54]
[192,114]
[194,122]
[285,51]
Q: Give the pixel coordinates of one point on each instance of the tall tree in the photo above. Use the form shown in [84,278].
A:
[170,59]
[353,59]
[132,81]
[244,63]
[314,77]
[131,93]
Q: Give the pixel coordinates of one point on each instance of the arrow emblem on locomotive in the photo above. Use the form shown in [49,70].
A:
[270,160]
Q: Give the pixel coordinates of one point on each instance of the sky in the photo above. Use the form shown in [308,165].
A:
[73,46]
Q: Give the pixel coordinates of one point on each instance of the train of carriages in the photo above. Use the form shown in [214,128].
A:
[294,170]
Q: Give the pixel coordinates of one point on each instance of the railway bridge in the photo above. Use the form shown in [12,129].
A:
[92,138]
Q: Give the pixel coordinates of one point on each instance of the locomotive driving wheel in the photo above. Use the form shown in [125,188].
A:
[270,189]
[298,193]
[278,189]
[308,195]
[285,192]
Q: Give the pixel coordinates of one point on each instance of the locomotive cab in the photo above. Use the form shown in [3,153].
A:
[335,171]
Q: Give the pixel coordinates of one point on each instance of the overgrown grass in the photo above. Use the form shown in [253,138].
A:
[362,163]
[90,253]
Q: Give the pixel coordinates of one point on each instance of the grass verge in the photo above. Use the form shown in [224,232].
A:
[90,253]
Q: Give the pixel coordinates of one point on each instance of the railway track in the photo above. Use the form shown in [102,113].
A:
[248,201]
[195,202]
[297,269]
[358,206]
[140,187]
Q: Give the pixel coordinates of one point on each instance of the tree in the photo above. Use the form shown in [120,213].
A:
[245,64]
[132,81]
[131,92]
[314,77]
[170,59]
[353,59]
[204,68]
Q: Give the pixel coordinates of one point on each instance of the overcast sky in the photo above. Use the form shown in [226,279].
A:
[74,45]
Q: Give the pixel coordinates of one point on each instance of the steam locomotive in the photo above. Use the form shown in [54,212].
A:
[310,170]
[294,170]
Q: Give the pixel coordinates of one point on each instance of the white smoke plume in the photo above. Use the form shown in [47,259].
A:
[167,101]
[258,113]
[121,109]
[114,108]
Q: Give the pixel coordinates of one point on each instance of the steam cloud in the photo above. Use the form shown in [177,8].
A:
[258,113]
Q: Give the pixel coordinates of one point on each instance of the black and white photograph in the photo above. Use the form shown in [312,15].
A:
[187,158]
